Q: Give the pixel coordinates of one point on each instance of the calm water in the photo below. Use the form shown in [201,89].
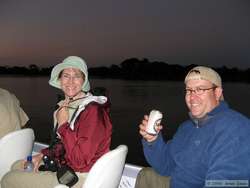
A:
[130,101]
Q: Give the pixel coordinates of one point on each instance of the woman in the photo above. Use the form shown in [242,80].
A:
[82,123]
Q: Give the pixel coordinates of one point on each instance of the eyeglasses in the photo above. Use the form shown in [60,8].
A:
[67,76]
[198,90]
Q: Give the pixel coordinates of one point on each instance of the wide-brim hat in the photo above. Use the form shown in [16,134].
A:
[70,62]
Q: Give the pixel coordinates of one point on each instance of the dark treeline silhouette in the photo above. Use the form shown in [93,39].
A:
[32,70]
[135,69]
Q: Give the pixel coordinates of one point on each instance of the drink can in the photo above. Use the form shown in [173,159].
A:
[154,120]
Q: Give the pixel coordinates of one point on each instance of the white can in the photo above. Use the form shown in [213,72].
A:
[154,120]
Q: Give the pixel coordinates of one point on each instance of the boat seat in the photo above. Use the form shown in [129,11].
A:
[107,171]
[15,146]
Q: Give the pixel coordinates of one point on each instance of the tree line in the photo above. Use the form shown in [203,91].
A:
[136,69]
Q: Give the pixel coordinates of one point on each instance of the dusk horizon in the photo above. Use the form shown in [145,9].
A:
[211,33]
[49,64]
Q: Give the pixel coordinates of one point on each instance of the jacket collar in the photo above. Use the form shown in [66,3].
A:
[199,122]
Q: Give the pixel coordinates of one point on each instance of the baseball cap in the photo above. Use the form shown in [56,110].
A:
[204,73]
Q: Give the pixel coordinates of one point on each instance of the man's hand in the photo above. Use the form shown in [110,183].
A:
[145,135]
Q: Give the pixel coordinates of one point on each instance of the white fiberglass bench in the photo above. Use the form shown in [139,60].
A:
[15,146]
[107,171]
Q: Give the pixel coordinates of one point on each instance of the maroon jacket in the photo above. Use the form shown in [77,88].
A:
[90,138]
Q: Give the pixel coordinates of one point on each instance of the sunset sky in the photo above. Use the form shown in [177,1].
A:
[43,32]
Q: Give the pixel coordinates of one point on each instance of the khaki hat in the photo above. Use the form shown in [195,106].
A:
[70,62]
[204,73]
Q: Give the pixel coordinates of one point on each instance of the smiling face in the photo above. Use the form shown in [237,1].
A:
[71,81]
[204,102]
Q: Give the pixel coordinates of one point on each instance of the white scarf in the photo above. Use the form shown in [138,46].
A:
[84,103]
[81,106]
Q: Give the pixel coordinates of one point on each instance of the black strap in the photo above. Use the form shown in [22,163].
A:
[53,136]
[74,114]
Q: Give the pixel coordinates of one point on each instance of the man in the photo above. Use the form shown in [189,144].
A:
[12,115]
[211,149]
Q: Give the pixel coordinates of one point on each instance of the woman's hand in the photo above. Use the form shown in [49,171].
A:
[36,159]
[62,114]
[145,135]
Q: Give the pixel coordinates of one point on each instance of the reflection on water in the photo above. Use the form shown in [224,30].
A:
[130,101]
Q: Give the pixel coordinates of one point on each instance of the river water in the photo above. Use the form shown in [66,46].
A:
[130,101]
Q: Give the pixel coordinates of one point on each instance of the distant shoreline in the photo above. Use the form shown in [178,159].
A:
[134,69]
